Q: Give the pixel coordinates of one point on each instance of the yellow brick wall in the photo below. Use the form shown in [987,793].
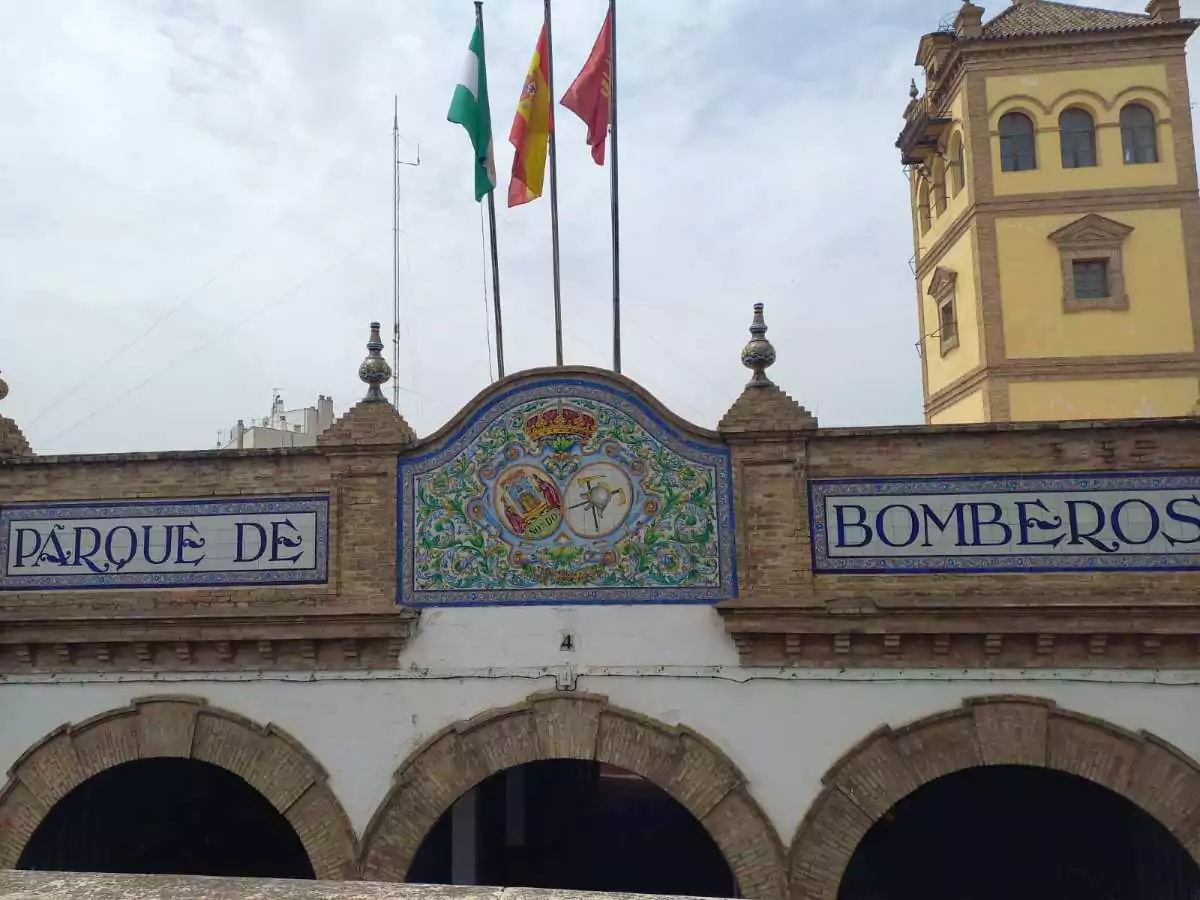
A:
[962,411]
[943,370]
[1102,92]
[1156,281]
[1102,398]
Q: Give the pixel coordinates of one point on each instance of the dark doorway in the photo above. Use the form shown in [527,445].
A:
[167,817]
[999,832]
[573,825]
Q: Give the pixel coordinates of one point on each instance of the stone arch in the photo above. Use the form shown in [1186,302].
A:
[889,764]
[576,726]
[267,758]
[1028,106]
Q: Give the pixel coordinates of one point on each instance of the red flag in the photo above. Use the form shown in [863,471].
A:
[588,95]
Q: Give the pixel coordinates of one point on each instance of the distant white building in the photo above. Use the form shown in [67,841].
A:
[282,428]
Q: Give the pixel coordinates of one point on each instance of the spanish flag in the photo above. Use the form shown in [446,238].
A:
[531,128]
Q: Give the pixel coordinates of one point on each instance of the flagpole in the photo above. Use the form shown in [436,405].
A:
[612,183]
[491,203]
[396,251]
[558,332]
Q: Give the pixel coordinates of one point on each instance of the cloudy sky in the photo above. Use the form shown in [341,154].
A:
[197,207]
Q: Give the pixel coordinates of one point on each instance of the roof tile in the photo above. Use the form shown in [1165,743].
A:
[1031,18]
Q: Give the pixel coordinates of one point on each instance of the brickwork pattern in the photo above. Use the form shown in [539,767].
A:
[766,408]
[784,614]
[891,763]
[578,726]
[267,758]
[225,627]
[787,614]
[12,441]
[369,422]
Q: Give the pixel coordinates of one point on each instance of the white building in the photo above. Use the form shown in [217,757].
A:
[282,428]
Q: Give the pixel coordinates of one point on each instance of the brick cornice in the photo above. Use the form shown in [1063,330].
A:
[1066,368]
[930,258]
[249,642]
[1044,632]
[966,384]
[1058,203]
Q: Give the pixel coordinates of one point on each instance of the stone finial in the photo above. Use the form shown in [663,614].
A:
[1164,10]
[913,93]
[969,21]
[763,407]
[758,355]
[374,370]
[3,388]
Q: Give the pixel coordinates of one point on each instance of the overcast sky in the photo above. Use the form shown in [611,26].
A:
[197,207]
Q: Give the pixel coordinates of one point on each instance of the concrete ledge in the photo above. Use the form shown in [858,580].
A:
[16,885]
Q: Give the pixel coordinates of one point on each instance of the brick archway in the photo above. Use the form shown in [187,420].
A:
[267,758]
[578,726]
[891,763]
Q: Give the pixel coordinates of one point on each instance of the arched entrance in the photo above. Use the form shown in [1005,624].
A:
[572,824]
[998,758]
[682,764]
[167,817]
[1018,831]
[53,808]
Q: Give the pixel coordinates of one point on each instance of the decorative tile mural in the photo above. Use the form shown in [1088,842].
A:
[566,491]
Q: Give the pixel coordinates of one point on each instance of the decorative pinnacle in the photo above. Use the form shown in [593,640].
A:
[3,388]
[758,354]
[374,370]
[912,89]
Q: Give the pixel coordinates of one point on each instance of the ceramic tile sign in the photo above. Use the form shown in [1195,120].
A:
[164,543]
[1007,523]
[566,491]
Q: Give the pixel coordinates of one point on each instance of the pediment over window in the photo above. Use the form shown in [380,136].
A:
[942,282]
[1092,231]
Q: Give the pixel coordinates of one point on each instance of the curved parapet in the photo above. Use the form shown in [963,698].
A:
[565,486]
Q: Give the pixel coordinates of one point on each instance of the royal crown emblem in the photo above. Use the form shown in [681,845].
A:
[561,423]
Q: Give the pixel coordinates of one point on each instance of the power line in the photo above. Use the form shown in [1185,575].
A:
[175,363]
[188,298]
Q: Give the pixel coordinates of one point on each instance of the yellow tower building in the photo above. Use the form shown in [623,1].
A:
[1055,215]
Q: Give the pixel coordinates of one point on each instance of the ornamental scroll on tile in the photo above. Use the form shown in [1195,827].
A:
[566,492]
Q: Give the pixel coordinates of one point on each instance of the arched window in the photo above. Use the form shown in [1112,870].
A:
[939,186]
[958,165]
[923,205]
[1139,136]
[1017,152]
[1077,138]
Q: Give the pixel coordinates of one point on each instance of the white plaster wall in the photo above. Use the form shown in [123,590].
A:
[455,638]
[783,728]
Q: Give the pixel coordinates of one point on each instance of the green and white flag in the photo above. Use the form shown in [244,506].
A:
[470,109]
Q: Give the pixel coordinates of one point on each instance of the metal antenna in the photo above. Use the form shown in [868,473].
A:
[396,163]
